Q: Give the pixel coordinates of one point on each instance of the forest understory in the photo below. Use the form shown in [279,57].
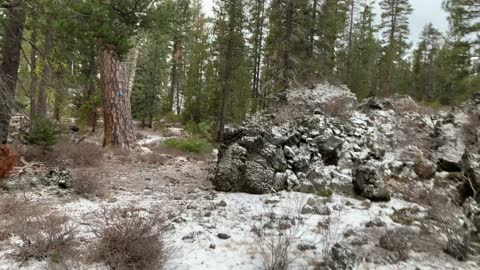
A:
[317,223]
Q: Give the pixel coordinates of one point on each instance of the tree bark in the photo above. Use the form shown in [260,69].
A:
[10,52]
[133,68]
[257,58]
[47,74]
[226,79]
[173,75]
[92,73]
[350,41]
[287,69]
[33,75]
[59,97]
[117,115]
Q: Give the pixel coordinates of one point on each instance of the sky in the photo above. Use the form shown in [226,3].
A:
[425,11]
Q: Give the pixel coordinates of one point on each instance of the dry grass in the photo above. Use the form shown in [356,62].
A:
[131,239]
[88,184]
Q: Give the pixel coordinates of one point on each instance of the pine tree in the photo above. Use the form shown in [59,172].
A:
[332,24]
[424,59]
[195,90]
[287,46]
[154,68]
[395,32]
[464,15]
[181,29]
[233,68]
[256,25]
[364,55]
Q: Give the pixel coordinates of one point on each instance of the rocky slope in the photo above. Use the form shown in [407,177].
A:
[322,139]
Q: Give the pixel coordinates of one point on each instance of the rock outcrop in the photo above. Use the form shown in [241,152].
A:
[323,136]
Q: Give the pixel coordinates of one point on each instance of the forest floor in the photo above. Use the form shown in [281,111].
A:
[180,191]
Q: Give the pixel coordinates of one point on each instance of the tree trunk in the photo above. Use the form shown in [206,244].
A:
[313,29]
[117,115]
[33,75]
[10,52]
[173,75]
[91,91]
[133,68]
[257,59]
[286,51]
[226,80]
[150,120]
[350,41]
[47,74]
[59,98]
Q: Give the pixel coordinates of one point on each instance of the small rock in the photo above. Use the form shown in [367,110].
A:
[377,222]
[360,241]
[212,246]
[223,236]
[305,247]
[271,201]
[307,187]
[222,203]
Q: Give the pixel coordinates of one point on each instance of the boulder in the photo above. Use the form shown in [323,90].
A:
[368,183]
[341,258]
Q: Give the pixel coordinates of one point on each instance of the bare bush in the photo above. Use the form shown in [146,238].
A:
[329,232]
[277,236]
[42,236]
[88,184]
[131,239]
[33,153]
[153,158]
[81,154]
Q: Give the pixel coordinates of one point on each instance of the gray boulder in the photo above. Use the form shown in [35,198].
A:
[368,182]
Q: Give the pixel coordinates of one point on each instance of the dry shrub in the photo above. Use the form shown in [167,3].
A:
[153,158]
[131,239]
[88,184]
[7,160]
[33,153]
[42,236]
[276,235]
[83,154]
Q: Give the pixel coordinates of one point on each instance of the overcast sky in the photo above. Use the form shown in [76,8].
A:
[425,11]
